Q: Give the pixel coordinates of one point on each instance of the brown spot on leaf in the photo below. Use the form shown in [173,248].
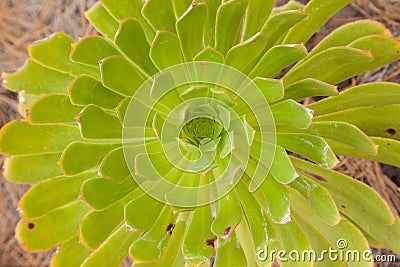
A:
[211,241]
[170,228]
[31,226]
[227,231]
[319,178]
[391,131]
[343,206]
[27,112]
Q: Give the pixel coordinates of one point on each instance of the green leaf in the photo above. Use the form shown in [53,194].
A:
[319,245]
[165,50]
[282,169]
[225,251]
[190,28]
[121,109]
[129,9]
[309,87]
[113,166]
[319,199]
[112,68]
[32,168]
[387,150]
[292,113]
[350,32]
[260,227]
[277,58]
[385,119]
[309,146]
[110,192]
[85,90]
[37,79]
[113,251]
[244,56]
[98,123]
[78,156]
[22,138]
[344,233]
[279,24]
[332,65]
[344,133]
[121,9]
[96,226]
[319,11]
[180,7]
[197,247]
[102,20]
[357,202]
[52,108]
[54,53]
[272,90]
[147,207]
[290,5]
[56,227]
[160,14]
[70,253]
[371,94]
[381,57]
[277,198]
[228,215]
[172,255]
[374,43]
[155,240]
[257,14]
[91,49]
[133,43]
[44,197]
[228,24]
[209,34]
[209,54]
[291,237]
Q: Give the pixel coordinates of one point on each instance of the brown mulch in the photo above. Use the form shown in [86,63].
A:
[24,21]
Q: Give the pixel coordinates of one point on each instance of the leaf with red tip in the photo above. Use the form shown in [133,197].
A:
[101,19]
[98,123]
[32,168]
[44,197]
[132,41]
[54,228]
[85,90]
[91,49]
[165,50]
[110,192]
[52,108]
[54,53]
[37,79]
[112,68]
[190,28]
[22,138]
[90,156]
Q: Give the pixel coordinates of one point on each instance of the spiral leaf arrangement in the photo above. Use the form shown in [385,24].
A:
[166,139]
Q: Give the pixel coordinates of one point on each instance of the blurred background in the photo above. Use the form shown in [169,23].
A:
[24,21]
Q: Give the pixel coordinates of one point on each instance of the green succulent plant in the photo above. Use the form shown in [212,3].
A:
[166,138]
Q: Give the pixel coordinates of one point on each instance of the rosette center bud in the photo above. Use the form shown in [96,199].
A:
[201,129]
